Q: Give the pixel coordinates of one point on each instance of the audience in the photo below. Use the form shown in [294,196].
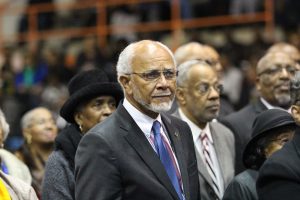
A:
[279,177]
[270,131]
[39,131]
[198,97]
[273,74]
[93,97]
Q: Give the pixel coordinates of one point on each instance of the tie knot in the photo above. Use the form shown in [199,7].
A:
[156,127]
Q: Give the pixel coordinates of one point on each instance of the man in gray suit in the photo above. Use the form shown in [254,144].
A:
[198,96]
[137,153]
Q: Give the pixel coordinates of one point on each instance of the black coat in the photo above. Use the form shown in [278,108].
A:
[242,187]
[279,177]
[240,123]
[114,160]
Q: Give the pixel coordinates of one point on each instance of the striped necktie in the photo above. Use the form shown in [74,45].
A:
[208,162]
[165,157]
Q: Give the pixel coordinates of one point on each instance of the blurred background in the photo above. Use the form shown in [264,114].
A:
[43,43]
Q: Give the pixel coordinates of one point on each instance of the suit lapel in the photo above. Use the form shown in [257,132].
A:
[176,143]
[136,138]
[202,169]
[219,151]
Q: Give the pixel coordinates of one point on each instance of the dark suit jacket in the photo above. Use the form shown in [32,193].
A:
[279,177]
[240,123]
[114,160]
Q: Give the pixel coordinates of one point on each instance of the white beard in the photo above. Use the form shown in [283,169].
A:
[162,107]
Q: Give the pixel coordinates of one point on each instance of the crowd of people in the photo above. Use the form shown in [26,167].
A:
[162,128]
[211,119]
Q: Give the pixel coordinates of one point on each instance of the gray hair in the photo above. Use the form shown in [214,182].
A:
[28,116]
[184,68]
[295,88]
[4,125]
[126,56]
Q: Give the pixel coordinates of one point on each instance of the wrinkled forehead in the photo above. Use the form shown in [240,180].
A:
[152,54]
[274,59]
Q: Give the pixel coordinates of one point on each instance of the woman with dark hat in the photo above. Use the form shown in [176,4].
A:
[270,131]
[93,97]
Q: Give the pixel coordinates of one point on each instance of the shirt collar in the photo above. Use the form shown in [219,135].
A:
[196,131]
[269,106]
[144,122]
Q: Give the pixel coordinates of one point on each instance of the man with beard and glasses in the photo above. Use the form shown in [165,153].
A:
[138,152]
[279,176]
[273,74]
[198,96]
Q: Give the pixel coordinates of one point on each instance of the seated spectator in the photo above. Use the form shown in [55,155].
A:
[39,130]
[271,130]
[12,188]
[10,164]
[93,97]
[279,177]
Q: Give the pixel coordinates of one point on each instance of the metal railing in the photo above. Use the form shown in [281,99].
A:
[102,29]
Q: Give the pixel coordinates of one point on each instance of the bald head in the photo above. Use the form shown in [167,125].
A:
[273,58]
[286,48]
[197,51]
[133,52]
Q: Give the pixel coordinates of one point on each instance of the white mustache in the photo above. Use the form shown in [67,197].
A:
[162,94]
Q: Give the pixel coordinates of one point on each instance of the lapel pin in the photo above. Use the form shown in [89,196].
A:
[176,134]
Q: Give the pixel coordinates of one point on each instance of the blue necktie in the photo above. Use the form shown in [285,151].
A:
[165,158]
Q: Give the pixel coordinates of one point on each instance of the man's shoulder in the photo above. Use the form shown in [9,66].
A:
[240,115]
[218,126]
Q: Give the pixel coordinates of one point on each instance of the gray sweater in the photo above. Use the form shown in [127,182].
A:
[59,181]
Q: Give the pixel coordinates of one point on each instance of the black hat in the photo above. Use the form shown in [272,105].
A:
[87,85]
[265,122]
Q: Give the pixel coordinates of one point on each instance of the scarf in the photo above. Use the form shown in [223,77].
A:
[67,141]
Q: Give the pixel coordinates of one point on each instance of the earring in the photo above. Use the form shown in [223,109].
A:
[28,139]
[80,127]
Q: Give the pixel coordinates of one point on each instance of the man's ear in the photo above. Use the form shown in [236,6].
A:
[180,96]
[125,82]
[257,83]
[295,110]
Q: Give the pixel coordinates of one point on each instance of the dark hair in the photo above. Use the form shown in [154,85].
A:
[257,154]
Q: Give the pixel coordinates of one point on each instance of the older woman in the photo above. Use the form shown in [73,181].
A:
[10,164]
[39,131]
[93,97]
[271,130]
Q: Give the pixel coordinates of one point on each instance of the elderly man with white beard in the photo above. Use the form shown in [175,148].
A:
[138,152]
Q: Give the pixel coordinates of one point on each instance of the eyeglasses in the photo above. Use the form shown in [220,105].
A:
[276,69]
[204,88]
[153,75]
